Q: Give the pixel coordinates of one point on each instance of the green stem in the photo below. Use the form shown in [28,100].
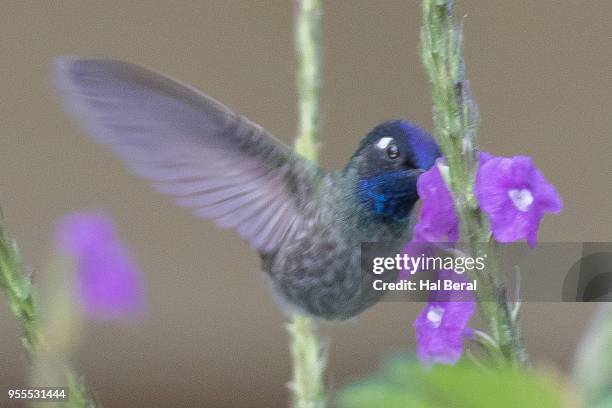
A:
[308,363]
[19,291]
[22,301]
[456,121]
[308,83]
[309,360]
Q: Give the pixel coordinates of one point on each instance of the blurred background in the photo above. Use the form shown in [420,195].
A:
[214,337]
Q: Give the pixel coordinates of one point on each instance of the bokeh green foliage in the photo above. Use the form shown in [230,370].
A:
[402,383]
[593,361]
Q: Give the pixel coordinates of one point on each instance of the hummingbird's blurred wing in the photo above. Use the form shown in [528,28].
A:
[190,146]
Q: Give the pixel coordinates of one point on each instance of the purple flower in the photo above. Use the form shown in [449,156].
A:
[108,281]
[515,195]
[443,325]
[437,218]
[484,157]
[415,248]
[512,191]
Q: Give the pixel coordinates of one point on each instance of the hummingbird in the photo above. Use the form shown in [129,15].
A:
[307,224]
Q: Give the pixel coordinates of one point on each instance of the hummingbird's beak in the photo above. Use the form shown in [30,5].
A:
[414,173]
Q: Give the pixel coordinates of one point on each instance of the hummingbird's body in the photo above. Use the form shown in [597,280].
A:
[319,269]
[307,224]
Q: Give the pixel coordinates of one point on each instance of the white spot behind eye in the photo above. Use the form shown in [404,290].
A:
[384,142]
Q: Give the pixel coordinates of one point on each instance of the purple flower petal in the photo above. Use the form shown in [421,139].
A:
[515,195]
[437,218]
[415,248]
[442,325]
[109,283]
[441,328]
[484,157]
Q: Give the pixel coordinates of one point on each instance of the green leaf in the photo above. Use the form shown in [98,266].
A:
[605,403]
[402,383]
[372,394]
[392,388]
[468,386]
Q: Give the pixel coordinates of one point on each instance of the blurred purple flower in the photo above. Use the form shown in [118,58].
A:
[437,218]
[515,195]
[108,281]
[443,325]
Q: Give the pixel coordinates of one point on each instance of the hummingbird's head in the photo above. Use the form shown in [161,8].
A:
[388,163]
[395,145]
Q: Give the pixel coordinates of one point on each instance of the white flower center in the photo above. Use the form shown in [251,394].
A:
[521,199]
[434,315]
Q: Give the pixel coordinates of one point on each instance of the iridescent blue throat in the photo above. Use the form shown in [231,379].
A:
[388,197]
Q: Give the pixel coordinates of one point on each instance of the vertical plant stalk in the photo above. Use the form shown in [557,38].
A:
[308,81]
[22,301]
[309,359]
[456,117]
[18,290]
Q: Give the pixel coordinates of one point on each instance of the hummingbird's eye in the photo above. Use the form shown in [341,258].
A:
[392,151]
